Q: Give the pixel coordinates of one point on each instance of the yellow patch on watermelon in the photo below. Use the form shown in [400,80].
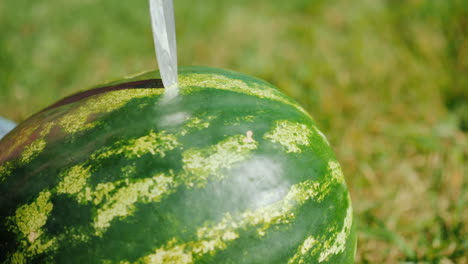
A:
[74,179]
[20,136]
[306,190]
[122,203]
[196,123]
[208,243]
[23,135]
[334,169]
[30,218]
[200,164]
[153,143]
[99,194]
[32,150]
[303,250]
[40,246]
[18,258]
[78,118]
[243,119]
[37,247]
[5,170]
[291,135]
[45,129]
[173,255]
[282,212]
[128,171]
[29,152]
[247,118]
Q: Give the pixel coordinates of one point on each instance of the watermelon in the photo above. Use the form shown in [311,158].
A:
[230,171]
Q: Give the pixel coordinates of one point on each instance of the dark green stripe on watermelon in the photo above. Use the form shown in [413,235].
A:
[230,171]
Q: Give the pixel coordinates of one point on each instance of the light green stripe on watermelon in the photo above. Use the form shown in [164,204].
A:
[212,238]
[29,152]
[5,170]
[334,169]
[23,136]
[325,246]
[172,255]
[74,179]
[332,176]
[243,119]
[336,243]
[45,129]
[122,203]
[32,150]
[128,171]
[28,221]
[196,123]
[30,218]
[19,138]
[77,119]
[200,164]
[26,251]
[215,81]
[291,135]
[153,143]
[303,250]
[98,194]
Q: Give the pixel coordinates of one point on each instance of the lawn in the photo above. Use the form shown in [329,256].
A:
[387,81]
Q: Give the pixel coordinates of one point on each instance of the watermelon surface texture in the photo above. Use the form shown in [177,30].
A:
[230,171]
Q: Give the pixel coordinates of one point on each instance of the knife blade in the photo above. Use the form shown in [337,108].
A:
[164,34]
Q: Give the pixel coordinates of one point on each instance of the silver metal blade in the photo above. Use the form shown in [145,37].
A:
[163,24]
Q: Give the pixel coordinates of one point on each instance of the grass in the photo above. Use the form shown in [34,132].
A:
[387,80]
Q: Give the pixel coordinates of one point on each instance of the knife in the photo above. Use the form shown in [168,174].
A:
[163,25]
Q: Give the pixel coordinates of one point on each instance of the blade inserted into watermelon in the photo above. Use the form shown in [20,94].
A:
[163,24]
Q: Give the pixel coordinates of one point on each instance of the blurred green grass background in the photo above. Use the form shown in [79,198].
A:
[387,80]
